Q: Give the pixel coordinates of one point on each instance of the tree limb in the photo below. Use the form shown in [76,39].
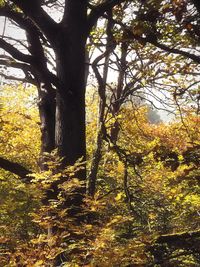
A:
[15,52]
[177,237]
[99,10]
[152,40]
[9,62]
[174,50]
[15,168]
[44,22]
[164,246]
[14,78]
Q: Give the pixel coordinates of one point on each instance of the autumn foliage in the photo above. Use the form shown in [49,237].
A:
[99,132]
[147,187]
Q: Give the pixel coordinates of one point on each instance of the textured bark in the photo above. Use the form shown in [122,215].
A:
[70,115]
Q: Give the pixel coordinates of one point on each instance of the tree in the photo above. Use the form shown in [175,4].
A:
[61,94]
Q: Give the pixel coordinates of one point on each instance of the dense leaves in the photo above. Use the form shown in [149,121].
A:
[147,186]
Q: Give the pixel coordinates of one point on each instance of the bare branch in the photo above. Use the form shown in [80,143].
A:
[15,52]
[14,78]
[14,64]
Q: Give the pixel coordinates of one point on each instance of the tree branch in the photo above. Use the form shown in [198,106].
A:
[14,78]
[14,64]
[149,39]
[174,50]
[189,242]
[177,237]
[44,22]
[15,52]
[99,10]
[15,168]
[24,22]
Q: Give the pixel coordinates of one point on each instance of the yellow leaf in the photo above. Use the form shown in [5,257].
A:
[39,263]
[119,196]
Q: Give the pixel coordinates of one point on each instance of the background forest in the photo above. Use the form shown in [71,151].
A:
[99,131]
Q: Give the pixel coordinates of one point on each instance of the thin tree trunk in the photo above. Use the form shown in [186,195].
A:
[47,107]
[102,105]
[97,153]
[120,85]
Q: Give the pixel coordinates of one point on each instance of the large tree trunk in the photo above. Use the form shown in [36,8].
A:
[70,136]
[70,95]
[70,102]
[70,98]
[70,107]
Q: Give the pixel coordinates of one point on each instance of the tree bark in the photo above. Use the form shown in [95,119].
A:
[70,100]
[47,107]
[70,137]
